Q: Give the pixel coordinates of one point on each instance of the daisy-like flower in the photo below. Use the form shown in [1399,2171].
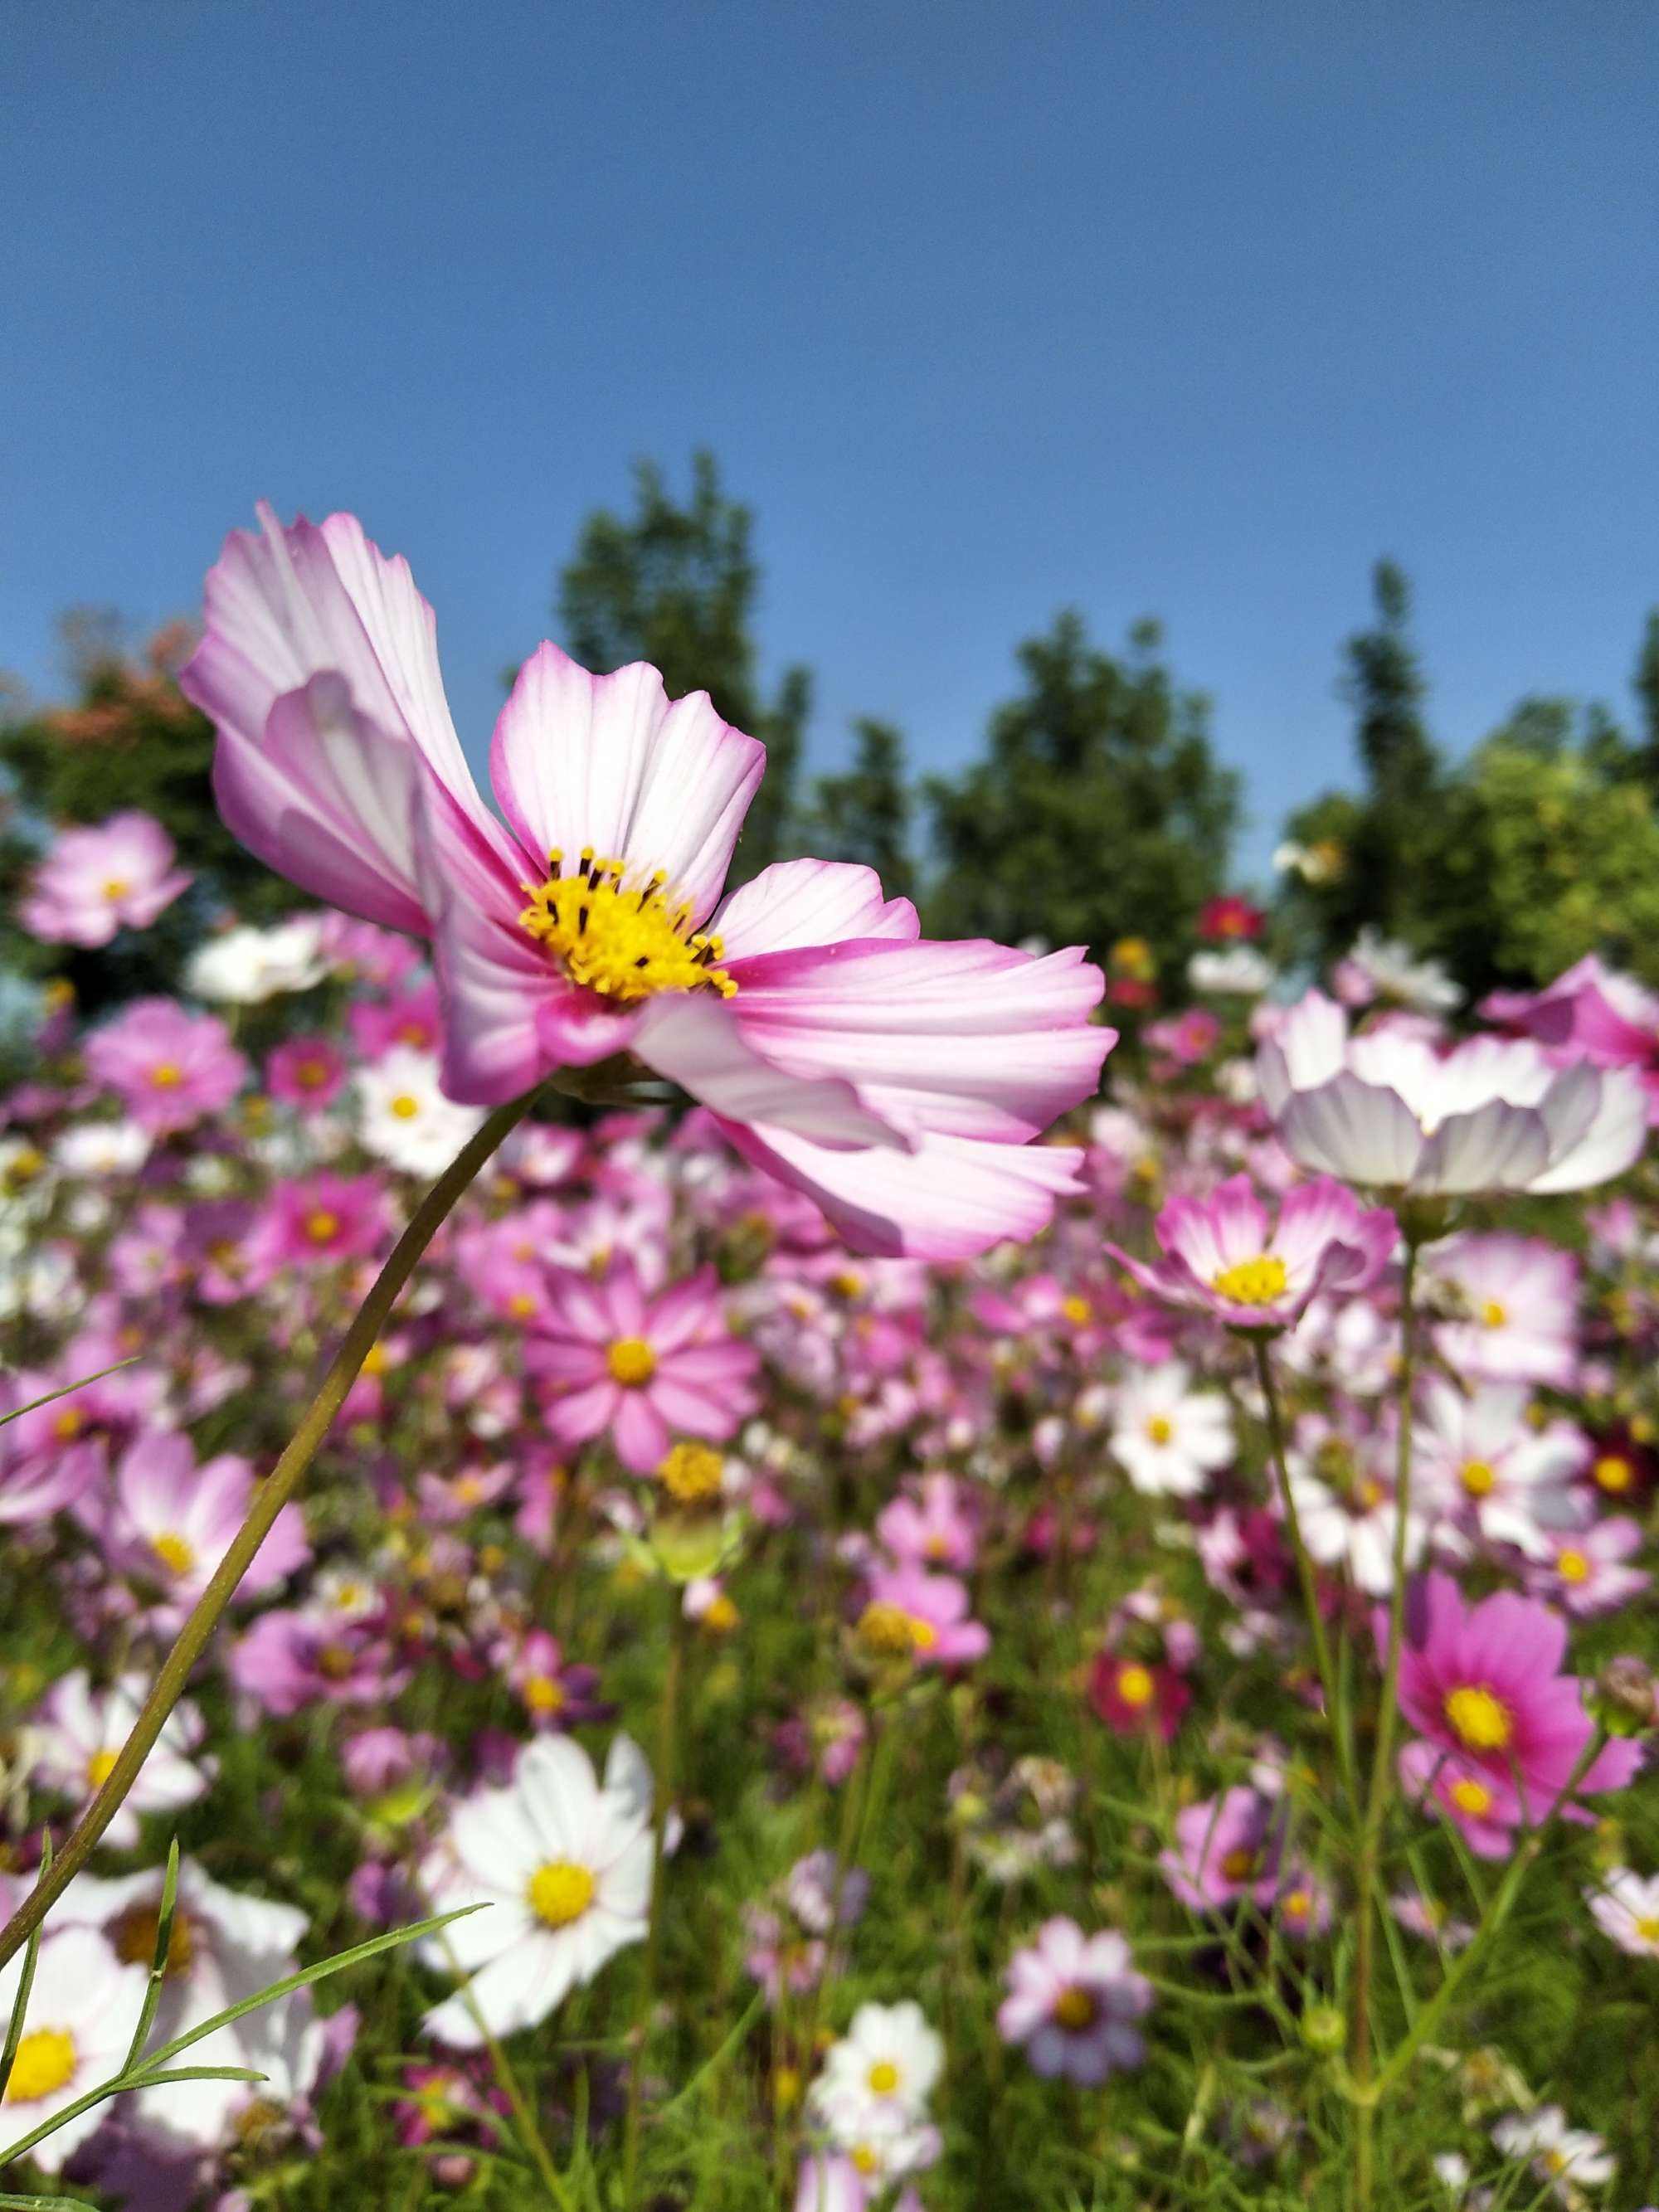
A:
[563,1863]
[1486,1468]
[889,2056]
[1484,1808]
[404,1117]
[320,1220]
[638,1368]
[1567,2159]
[1223,1256]
[1074,2003]
[307,1072]
[1586,1571]
[1482,1683]
[170,1068]
[1226,1848]
[1170,1437]
[171,1522]
[1350,1522]
[911,1615]
[82,1731]
[1506,1308]
[897,1082]
[1492,1114]
[1378,967]
[244,967]
[1625,1908]
[93,882]
[82,2009]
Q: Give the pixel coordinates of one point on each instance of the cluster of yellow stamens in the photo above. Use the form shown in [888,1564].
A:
[692,1474]
[135,1934]
[1135,1685]
[631,1361]
[1075,2009]
[887,1632]
[176,1554]
[626,941]
[1478,1718]
[43,2062]
[560,1892]
[1478,1477]
[1255,1282]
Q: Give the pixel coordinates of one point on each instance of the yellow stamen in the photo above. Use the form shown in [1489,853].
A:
[322,1226]
[561,1891]
[43,2061]
[883,2077]
[1478,1477]
[1076,1310]
[167,1075]
[134,1940]
[1493,1314]
[175,1554]
[1479,1718]
[1160,1429]
[631,1361]
[1470,1796]
[1135,1685]
[99,1767]
[405,1107]
[692,1474]
[1648,1928]
[1255,1282]
[1572,1566]
[1075,2009]
[1238,1864]
[889,1633]
[116,887]
[543,1694]
[625,941]
[1614,1473]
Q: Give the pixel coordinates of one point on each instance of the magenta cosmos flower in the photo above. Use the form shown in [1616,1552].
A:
[1074,2002]
[1483,1684]
[169,1067]
[640,1369]
[1226,1848]
[897,1081]
[1222,1256]
[92,882]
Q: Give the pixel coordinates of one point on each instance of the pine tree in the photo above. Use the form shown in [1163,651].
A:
[865,813]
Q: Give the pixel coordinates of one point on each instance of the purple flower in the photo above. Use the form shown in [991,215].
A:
[1074,2001]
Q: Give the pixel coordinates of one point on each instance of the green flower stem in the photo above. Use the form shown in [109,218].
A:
[1304,1567]
[667,1748]
[1382,1780]
[273,1493]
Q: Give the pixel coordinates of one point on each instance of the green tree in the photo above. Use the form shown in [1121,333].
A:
[677,585]
[1646,686]
[865,813]
[1099,811]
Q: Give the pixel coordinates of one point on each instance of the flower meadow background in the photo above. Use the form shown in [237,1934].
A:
[993,1643]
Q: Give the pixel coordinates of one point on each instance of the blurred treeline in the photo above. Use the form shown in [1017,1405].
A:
[1095,812]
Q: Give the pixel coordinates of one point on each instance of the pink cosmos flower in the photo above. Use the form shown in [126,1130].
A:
[640,1369]
[1593,1012]
[1483,1462]
[1221,1257]
[911,1614]
[897,1082]
[171,1522]
[1074,2001]
[48,1458]
[1510,1307]
[1482,1684]
[307,1072]
[1585,1572]
[934,1529]
[1484,1808]
[320,1221]
[92,882]
[171,1068]
[1492,1114]
[413,1018]
[1226,1848]
[1133,1695]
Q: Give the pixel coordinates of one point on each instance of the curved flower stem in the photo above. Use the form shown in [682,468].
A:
[667,1747]
[1304,1565]
[1377,1802]
[273,1493]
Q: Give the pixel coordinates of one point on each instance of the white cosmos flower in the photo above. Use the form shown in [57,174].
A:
[225,1947]
[1492,1114]
[1567,2159]
[246,966]
[1626,1909]
[1170,1437]
[564,1868]
[1383,968]
[102,1149]
[82,2013]
[1354,1527]
[889,2059]
[1478,1459]
[1239,972]
[83,1729]
[404,1118]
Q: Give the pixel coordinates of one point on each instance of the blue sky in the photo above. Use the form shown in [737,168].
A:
[1188,309]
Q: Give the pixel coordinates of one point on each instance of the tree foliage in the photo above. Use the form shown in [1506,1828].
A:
[865,813]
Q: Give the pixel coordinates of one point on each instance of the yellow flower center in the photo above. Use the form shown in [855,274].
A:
[99,1767]
[1160,1429]
[1493,1314]
[68,1424]
[116,887]
[1076,1310]
[631,1361]
[1572,1566]
[720,1615]
[375,1360]
[1238,1864]
[1135,1685]
[883,2077]
[405,1107]
[1255,1282]
[543,1694]
[1612,1474]
[313,1075]
[44,2061]
[134,1940]
[629,942]
[1075,2009]
[692,1474]
[1478,1718]
[322,1225]
[1298,1904]
[560,1892]
[1648,1928]
[890,1632]
[175,1554]
[1470,1796]
[167,1075]
[864,2158]
[1478,1476]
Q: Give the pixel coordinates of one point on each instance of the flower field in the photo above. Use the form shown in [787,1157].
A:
[906,1631]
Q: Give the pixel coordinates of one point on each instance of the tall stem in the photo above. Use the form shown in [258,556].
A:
[1382,1781]
[1304,1565]
[273,1493]
[667,1747]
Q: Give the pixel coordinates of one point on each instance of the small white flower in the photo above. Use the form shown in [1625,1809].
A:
[405,1119]
[888,2057]
[1239,972]
[1386,969]
[1566,2158]
[102,1149]
[563,1866]
[246,966]
[82,2013]
[82,1731]
[1626,1909]
[1170,1437]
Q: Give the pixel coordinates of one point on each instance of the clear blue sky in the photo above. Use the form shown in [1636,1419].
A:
[1186,309]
